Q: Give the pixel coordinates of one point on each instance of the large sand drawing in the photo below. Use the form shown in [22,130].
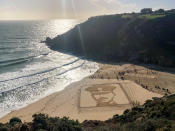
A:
[120,94]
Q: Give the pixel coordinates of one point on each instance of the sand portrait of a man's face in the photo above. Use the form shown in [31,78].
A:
[103,95]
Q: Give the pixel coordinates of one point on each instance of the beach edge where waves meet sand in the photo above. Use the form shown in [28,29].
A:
[109,91]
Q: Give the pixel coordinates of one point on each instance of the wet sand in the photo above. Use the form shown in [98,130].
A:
[111,90]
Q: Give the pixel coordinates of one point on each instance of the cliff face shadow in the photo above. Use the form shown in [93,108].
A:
[113,38]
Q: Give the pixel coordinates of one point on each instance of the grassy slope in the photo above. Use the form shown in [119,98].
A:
[157,115]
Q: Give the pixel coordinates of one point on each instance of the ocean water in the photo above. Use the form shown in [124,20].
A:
[29,70]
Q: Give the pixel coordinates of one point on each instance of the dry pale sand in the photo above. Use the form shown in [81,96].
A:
[153,78]
[111,90]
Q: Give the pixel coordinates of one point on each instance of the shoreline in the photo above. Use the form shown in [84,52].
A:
[77,99]
[69,76]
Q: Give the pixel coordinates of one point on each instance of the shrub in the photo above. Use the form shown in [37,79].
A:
[126,111]
[24,127]
[146,11]
[15,120]
[43,122]
[4,128]
[39,121]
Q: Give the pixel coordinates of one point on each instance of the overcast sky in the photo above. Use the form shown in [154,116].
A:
[53,9]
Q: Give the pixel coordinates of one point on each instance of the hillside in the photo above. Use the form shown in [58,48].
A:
[135,37]
[154,115]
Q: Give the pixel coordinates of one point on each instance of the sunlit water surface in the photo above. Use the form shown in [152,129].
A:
[29,70]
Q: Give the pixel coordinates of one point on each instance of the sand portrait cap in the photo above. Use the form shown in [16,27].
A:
[103,95]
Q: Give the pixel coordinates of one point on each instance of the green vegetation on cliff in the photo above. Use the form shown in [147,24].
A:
[154,115]
[42,122]
[134,37]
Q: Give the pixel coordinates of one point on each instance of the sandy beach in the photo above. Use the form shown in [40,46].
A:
[111,90]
